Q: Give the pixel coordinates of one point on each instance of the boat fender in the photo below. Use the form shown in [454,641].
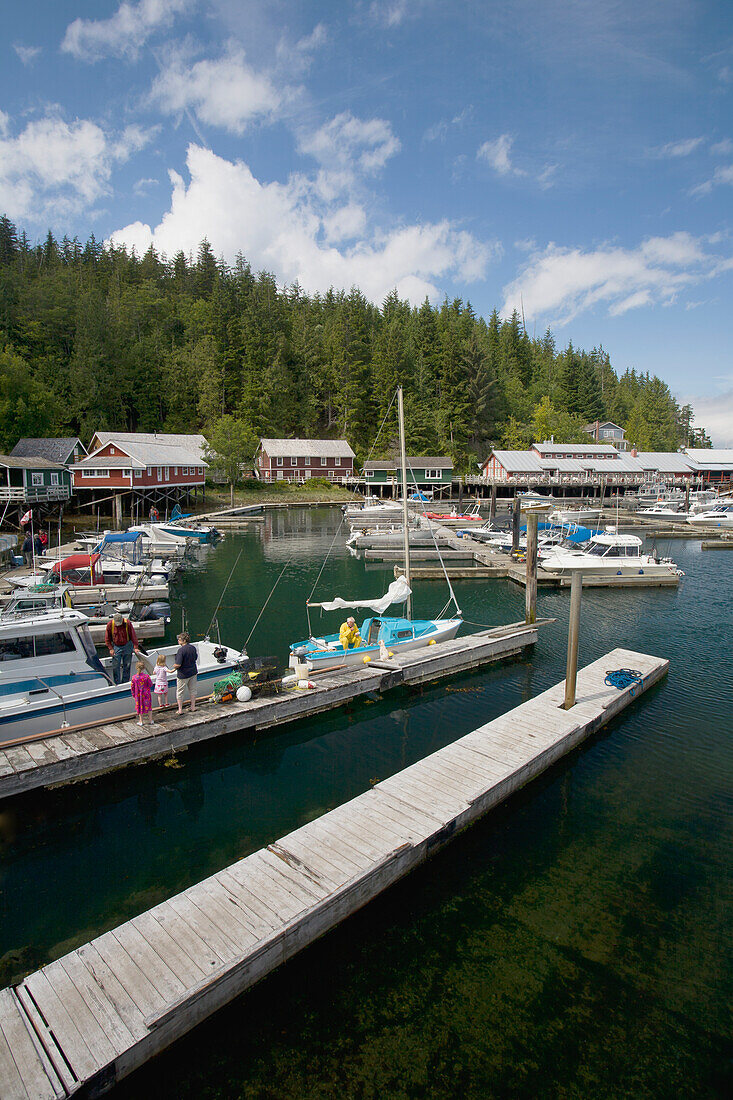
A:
[432,641]
[366,659]
[305,685]
[244,694]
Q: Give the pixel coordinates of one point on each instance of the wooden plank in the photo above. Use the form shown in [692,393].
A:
[231,920]
[79,1049]
[100,1008]
[109,983]
[225,948]
[186,968]
[130,972]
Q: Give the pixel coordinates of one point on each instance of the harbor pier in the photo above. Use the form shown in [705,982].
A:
[87,1020]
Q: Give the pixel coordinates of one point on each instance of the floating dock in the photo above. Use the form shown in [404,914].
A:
[84,1022]
[82,752]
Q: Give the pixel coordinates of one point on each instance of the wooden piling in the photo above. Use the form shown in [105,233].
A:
[571,672]
[516,513]
[530,593]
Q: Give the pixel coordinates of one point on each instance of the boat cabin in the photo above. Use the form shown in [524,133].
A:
[78,569]
[610,545]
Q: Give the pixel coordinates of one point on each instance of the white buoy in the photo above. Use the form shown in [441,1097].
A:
[244,694]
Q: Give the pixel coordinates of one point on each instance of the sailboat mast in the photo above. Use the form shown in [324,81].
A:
[405,519]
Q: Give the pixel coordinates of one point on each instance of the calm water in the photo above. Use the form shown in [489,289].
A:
[575,943]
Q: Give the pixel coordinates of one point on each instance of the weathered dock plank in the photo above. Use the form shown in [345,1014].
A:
[107,1007]
[73,755]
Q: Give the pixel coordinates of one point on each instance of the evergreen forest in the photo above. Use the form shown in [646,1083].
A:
[94,337]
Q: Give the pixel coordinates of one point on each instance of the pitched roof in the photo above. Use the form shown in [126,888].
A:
[602,424]
[193,445]
[702,458]
[302,448]
[141,451]
[442,462]
[109,462]
[32,462]
[600,449]
[53,450]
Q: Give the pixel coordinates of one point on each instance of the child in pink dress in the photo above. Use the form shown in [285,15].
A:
[141,687]
[160,686]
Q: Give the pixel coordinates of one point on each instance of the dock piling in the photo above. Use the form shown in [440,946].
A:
[571,671]
[516,512]
[530,592]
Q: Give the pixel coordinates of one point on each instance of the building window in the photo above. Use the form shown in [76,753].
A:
[36,479]
[95,473]
[201,471]
[167,473]
[293,462]
[433,475]
[307,460]
[111,450]
[54,479]
[324,462]
[280,460]
[175,471]
[160,473]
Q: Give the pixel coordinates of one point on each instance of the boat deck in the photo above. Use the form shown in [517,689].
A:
[87,1020]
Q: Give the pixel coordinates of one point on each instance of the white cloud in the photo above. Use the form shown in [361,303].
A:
[53,165]
[496,153]
[124,33]
[722,148]
[721,176]
[227,92]
[284,228]
[392,13]
[715,414]
[27,54]
[347,144]
[679,148]
[560,283]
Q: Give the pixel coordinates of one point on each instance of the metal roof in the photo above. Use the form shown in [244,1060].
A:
[575,449]
[145,454]
[708,459]
[194,445]
[109,462]
[423,462]
[13,462]
[519,461]
[53,450]
[667,462]
[304,448]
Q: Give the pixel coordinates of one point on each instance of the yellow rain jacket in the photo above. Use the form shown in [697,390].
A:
[349,636]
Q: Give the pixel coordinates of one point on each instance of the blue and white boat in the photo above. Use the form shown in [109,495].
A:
[51,677]
[381,637]
[180,530]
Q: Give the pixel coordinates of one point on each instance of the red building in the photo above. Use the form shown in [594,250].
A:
[301,459]
[144,468]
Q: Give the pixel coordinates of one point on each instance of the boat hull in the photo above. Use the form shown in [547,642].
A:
[323,661]
[44,713]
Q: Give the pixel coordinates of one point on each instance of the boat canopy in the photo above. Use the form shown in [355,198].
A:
[397,592]
[120,536]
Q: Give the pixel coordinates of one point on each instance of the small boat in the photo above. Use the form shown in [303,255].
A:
[670,511]
[454,518]
[608,553]
[51,677]
[582,515]
[85,570]
[180,530]
[719,515]
[380,636]
[373,510]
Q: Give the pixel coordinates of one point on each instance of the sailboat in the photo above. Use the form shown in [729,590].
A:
[380,636]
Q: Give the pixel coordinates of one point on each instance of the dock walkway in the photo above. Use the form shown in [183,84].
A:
[82,752]
[87,1020]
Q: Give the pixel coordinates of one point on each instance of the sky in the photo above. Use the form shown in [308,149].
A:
[572,159]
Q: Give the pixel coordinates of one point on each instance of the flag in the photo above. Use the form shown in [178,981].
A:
[26,517]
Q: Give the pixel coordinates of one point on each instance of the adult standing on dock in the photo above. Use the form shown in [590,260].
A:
[186,670]
[121,642]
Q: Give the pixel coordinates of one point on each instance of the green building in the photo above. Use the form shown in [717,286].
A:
[29,481]
[426,473]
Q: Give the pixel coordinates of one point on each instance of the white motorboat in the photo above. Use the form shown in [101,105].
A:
[719,515]
[51,677]
[583,515]
[671,511]
[373,510]
[608,553]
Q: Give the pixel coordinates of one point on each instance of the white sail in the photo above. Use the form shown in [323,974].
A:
[397,592]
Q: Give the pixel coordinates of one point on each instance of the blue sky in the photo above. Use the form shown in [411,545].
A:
[571,157]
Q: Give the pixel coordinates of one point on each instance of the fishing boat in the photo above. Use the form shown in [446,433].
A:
[608,553]
[719,515]
[380,636]
[51,677]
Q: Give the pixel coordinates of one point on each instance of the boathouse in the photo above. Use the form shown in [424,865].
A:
[26,482]
[711,465]
[141,469]
[298,460]
[423,472]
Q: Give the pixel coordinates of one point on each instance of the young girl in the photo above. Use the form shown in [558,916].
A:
[141,686]
[161,681]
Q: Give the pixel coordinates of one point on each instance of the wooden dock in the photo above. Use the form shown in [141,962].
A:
[86,751]
[87,1020]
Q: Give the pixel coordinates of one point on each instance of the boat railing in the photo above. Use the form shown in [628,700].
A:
[47,687]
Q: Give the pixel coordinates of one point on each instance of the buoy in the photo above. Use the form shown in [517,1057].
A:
[366,659]
[244,694]
[432,641]
[305,684]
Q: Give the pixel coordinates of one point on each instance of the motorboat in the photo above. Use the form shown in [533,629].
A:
[381,637]
[51,677]
[57,597]
[123,552]
[373,510]
[86,570]
[719,515]
[158,542]
[582,515]
[608,553]
[177,529]
[672,511]
[454,518]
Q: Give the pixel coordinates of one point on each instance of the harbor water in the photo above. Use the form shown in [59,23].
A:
[578,942]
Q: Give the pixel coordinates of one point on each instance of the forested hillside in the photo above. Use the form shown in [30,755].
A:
[92,337]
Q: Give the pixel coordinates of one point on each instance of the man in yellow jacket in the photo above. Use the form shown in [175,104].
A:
[349,634]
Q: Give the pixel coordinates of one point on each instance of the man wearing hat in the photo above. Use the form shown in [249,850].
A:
[121,642]
[349,633]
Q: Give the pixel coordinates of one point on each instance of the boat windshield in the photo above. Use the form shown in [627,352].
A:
[36,645]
